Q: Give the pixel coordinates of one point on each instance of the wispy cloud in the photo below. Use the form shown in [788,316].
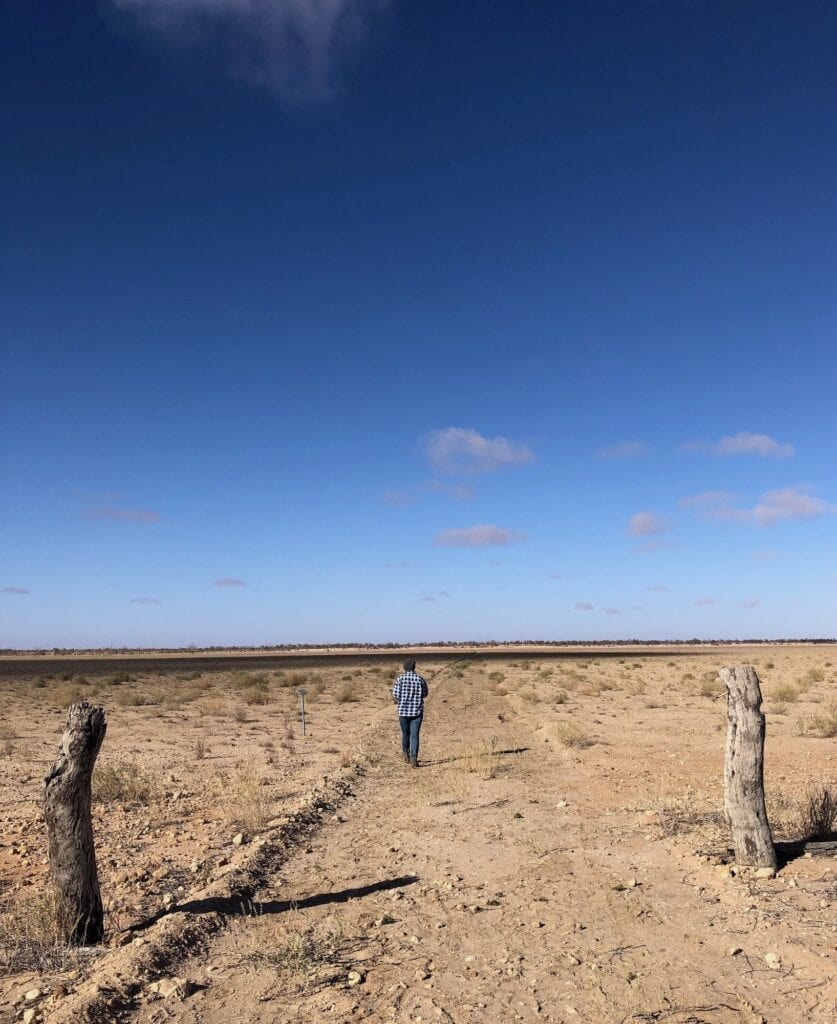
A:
[456,451]
[293,48]
[14,590]
[435,596]
[647,524]
[754,602]
[789,503]
[623,450]
[554,576]
[121,514]
[228,581]
[401,497]
[477,537]
[705,601]
[706,499]
[612,611]
[145,600]
[651,545]
[766,555]
[772,507]
[742,443]
[658,588]
[404,564]
[583,606]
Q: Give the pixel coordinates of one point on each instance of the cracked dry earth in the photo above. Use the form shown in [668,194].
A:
[515,880]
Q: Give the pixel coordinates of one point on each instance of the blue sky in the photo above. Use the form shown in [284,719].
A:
[382,321]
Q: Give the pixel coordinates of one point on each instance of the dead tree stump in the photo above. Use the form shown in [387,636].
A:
[67,797]
[744,769]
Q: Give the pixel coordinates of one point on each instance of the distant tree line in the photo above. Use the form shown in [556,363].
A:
[470,644]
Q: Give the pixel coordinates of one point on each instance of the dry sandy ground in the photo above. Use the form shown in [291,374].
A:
[556,857]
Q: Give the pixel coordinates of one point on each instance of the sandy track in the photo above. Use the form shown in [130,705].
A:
[535,894]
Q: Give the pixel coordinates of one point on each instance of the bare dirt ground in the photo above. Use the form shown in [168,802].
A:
[558,856]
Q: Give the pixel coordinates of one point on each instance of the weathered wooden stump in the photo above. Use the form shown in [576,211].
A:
[744,769]
[67,798]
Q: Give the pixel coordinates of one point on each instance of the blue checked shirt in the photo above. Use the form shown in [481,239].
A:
[409,693]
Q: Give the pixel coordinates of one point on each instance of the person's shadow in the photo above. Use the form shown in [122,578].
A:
[241,906]
[465,757]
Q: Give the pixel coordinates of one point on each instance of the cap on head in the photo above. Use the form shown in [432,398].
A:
[410,665]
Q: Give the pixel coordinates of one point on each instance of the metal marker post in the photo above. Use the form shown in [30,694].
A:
[301,692]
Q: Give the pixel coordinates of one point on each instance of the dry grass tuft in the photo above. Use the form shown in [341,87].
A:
[821,726]
[34,932]
[124,782]
[481,759]
[809,816]
[677,815]
[294,679]
[67,693]
[131,698]
[213,706]
[572,734]
[710,685]
[7,734]
[784,693]
[818,811]
[256,693]
[347,694]
[295,950]
[242,799]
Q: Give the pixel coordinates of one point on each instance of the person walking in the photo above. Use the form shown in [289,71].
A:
[409,693]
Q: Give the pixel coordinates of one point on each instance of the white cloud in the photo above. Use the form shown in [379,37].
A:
[772,507]
[646,524]
[789,503]
[705,499]
[399,498]
[292,48]
[651,545]
[458,451]
[766,555]
[583,606]
[612,611]
[658,589]
[754,602]
[404,496]
[743,443]
[705,601]
[14,590]
[476,537]
[145,600]
[229,581]
[624,450]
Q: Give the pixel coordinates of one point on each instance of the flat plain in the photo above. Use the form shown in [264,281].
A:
[559,855]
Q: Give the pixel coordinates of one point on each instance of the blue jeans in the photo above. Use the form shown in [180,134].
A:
[410,728]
